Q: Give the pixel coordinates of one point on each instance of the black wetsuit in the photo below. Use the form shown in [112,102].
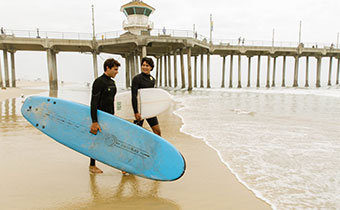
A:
[140,81]
[103,94]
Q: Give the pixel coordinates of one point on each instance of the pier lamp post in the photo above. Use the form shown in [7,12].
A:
[211,27]
[300,32]
[273,37]
[93,28]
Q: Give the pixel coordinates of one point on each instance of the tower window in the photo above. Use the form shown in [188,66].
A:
[129,11]
[137,10]
[147,12]
[140,10]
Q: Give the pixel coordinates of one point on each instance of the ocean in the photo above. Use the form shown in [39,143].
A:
[281,143]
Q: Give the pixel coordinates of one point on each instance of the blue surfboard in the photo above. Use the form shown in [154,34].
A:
[121,144]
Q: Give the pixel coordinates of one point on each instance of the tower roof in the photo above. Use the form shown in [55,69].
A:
[137,3]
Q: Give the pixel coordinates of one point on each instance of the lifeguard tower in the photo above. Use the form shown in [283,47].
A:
[137,13]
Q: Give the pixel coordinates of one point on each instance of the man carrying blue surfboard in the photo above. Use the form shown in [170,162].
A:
[144,80]
[103,93]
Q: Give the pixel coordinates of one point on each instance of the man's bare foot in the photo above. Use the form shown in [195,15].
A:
[125,173]
[95,169]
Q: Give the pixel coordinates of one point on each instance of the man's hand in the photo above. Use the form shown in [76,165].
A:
[95,127]
[138,116]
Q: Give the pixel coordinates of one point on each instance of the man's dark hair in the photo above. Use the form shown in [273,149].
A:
[148,61]
[110,62]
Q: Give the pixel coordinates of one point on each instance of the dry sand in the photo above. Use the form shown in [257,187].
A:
[38,173]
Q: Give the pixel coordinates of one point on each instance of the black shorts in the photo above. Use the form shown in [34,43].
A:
[151,121]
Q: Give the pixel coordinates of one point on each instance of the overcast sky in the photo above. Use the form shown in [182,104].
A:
[247,18]
[253,20]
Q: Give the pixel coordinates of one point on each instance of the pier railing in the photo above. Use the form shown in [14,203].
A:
[47,34]
[263,43]
[161,32]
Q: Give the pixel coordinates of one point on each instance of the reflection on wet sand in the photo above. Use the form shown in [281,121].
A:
[9,113]
[129,194]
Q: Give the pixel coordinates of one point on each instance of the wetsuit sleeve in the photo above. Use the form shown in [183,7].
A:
[134,93]
[95,98]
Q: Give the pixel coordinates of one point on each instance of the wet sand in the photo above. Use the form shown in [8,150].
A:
[23,88]
[39,173]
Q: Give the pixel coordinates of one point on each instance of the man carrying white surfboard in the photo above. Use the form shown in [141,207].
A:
[144,80]
[103,93]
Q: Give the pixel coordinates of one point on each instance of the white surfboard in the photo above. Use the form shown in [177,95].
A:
[151,102]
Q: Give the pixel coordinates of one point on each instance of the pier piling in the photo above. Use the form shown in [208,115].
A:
[231,71]
[127,71]
[208,70]
[249,70]
[268,73]
[165,71]
[95,64]
[1,80]
[157,71]
[330,71]
[195,71]
[52,69]
[318,70]
[202,57]
[307,71]
[239,72]
[189,69]
[169,71]
[223,72]
[13,69]
[160,70]
[296,71]
[338,71]
[182,68]
[283,84]
[258,71]
[274,72]
[6,68]
[175,68]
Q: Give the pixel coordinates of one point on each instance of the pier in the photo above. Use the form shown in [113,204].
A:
[193,52]
[167,49]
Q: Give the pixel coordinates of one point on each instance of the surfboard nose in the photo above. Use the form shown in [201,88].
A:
[172,167]
[184,167]
[177,170]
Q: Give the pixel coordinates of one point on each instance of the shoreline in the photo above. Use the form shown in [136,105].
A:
[256,193]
